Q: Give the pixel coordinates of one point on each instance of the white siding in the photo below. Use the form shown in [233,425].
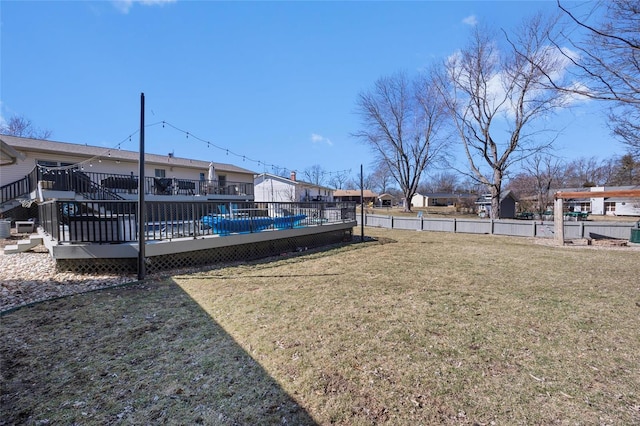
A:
[274,190]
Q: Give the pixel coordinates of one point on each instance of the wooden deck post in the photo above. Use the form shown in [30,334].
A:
[558,221]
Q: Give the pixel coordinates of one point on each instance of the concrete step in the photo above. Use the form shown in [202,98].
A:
[23,245]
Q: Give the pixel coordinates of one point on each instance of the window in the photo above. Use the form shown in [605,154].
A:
[610,207]
[201,177]
[222,181]
[585,206]
[160,173]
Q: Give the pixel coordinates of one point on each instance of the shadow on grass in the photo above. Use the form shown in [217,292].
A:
[143,353]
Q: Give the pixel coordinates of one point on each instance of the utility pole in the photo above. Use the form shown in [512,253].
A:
[141,206]
[361,204]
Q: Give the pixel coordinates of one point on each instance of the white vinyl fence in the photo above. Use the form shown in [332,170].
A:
[516,228]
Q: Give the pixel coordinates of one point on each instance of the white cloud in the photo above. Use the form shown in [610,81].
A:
[125,5]
[470,20]
[316,138]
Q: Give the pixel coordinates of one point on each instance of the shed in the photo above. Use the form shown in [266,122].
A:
[507,205]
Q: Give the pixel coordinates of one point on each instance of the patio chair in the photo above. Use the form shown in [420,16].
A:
[162,186]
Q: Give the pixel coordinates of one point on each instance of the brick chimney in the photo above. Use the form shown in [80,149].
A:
[293,175]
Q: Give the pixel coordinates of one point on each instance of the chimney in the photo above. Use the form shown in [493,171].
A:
[293,175]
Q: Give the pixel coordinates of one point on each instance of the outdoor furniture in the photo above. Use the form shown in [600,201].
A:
[186,186]
[524,215]
[162,186]
[576,215]
[120,182]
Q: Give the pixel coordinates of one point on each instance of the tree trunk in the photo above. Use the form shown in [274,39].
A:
[495,203]
[496,192]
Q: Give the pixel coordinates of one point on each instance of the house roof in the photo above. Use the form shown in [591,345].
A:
[8,155]
[447,195]
[288,180]
[46,146]
[367,193]
[592,192]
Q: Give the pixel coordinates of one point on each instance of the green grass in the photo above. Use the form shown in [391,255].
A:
[417,328]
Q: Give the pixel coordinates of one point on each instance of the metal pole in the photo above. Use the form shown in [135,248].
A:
[361,204]
[141,206]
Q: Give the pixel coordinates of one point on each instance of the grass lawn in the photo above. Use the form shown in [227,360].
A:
[416,328]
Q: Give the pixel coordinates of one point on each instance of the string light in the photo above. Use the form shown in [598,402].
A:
[244,157]
[276,168]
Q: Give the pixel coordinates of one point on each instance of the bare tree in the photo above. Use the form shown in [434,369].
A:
[584,172]
[380,179]
[401,119]
[280,171]
[24,128]
[546,172]
[443,182]
[338,179]
[604,54]
[497,97]
[315,175]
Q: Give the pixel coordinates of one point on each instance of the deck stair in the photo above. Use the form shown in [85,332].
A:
[24,245]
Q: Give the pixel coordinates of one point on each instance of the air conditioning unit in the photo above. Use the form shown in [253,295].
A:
[24,227]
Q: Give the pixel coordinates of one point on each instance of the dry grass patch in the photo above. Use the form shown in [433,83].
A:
[419,328]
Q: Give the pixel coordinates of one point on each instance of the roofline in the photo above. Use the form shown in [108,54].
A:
[90,151]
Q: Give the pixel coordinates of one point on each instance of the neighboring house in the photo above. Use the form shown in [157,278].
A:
[116,170]
[385,200]
[508,202]
[440,199]
[274,188]
[369,197]
[601,206]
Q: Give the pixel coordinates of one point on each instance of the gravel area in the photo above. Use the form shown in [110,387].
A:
[31,277]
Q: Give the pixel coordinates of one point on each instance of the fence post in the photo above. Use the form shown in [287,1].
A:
[558,219]
[533,228]
[455,227]
[491,226]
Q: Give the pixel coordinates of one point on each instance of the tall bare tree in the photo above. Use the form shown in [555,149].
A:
[24,128]
[497,99]
[401,119]
[605,53]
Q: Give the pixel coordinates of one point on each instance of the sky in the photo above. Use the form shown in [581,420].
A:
[255,84]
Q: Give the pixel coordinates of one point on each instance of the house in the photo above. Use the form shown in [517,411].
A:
[440,199]
[85,201]
[508,202]
[368,196]
[385,200]
[273,188]
[48,169]
[598,205]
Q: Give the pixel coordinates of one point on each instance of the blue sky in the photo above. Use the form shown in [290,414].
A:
[271,82]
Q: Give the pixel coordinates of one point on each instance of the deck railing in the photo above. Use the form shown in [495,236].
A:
[14,190]
[109,222]
[80,180]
